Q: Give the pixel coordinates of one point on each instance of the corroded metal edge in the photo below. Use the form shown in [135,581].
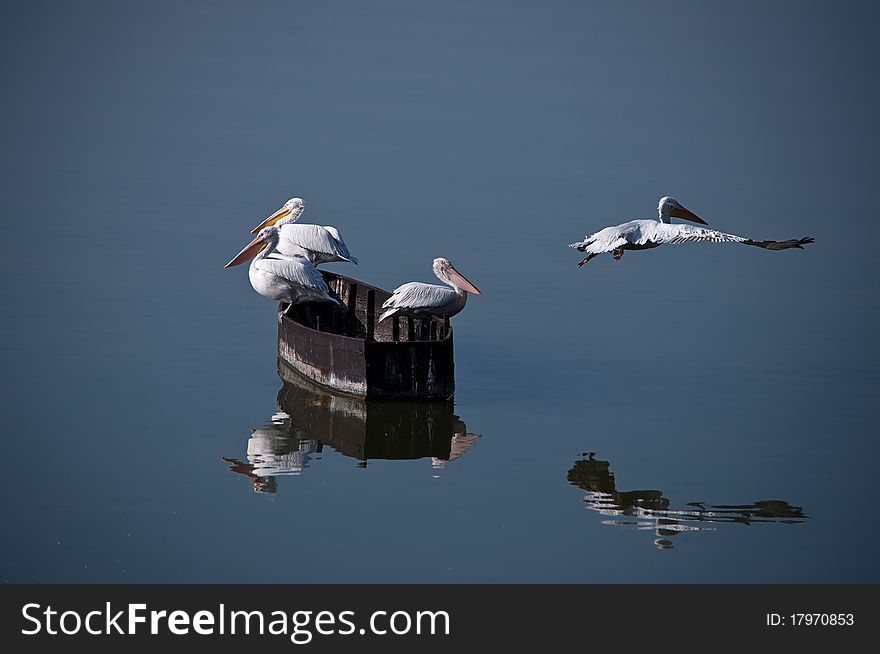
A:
[316,356]
[372,362]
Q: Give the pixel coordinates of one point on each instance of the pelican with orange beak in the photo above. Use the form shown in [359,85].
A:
[647,234]
[418,299]
[319,244]
[281,278]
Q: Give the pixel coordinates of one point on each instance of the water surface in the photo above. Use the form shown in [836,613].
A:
[727,394]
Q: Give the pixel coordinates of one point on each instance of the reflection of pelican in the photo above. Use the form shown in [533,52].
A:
[310,418]
[416,298]
[320,244]
[646,234]
[649,509]
[281,278]
[461,443]
[273,451]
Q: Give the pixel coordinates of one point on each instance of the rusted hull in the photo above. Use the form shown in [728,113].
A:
[346,350]
[327,359]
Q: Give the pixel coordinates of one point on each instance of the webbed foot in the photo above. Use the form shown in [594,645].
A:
[585,259]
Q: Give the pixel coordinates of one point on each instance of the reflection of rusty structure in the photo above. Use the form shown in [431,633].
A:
[310,418]
[650,510]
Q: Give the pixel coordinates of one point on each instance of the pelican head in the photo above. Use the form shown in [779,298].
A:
[289,212]
[671,208]
[446,272]
[267,236]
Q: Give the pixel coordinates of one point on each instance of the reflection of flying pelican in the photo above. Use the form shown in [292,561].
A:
[416,298]
[649,509]
[310,418]
[646,234]
[281,278]
[320,244]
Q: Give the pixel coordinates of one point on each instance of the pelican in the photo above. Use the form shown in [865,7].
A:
[416,298]
[279,277]
[319,244]
[646,234]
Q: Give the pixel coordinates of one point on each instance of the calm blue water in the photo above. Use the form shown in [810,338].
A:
[728,395]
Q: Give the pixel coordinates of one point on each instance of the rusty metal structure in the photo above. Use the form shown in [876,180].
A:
[346,349]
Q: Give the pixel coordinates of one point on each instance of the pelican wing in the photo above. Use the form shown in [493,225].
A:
[343,248]
[416,296]
[295,269]
[313,238]
[605,240]
[662,233]
[651,233]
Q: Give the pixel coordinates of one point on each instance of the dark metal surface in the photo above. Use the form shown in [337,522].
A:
[347,350]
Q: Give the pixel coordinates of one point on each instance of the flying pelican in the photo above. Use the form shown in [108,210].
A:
[646,234]
[319,244]
[281,278]
[416,298]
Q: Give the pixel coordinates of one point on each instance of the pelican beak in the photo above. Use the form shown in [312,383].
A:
[249,252]
[271,220]
[687,214]
[458,280]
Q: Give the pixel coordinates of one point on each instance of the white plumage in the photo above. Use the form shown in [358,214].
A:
[288,279]
[417,298]
[279,277]
[646,234]
[318,243]
[650,233]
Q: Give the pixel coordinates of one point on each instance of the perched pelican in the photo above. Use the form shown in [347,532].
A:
[319,244]
[646,234]
[279,277]
[416,298]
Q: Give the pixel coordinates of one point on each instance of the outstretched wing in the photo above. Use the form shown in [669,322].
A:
[312,238]
[651,233]
[606,240]
[295,269]
[662,233]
